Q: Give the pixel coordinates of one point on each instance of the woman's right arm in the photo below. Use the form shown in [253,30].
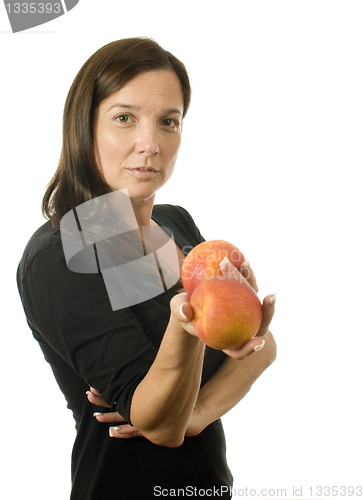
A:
[164,400]
[70,313]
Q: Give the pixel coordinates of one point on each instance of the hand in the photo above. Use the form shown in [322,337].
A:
[127,431]
[182,311]
[247,274]
[123,431]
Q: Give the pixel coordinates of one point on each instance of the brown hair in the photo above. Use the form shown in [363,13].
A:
[77,178]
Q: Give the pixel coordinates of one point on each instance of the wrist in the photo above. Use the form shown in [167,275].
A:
[270,349]
[183,329]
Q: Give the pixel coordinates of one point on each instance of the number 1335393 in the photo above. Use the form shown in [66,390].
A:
[33,8]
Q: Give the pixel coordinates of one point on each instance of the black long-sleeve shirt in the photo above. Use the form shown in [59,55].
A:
[87,343]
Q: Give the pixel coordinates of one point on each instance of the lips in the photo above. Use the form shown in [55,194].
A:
[143,172]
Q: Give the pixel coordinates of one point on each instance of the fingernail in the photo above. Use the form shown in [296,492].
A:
[260,346]
[225,263]
[182,313]
[110,431]
[97,414]
[89,393]
[273,299]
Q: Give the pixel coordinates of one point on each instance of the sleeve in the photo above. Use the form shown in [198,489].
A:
[72,312]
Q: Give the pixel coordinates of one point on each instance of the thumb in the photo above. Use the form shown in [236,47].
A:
[182,312]
[181,308]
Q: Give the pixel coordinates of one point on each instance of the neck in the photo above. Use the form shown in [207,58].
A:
[143,210]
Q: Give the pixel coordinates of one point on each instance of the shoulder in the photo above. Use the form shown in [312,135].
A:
[172,213]
[180,222]
[46,237]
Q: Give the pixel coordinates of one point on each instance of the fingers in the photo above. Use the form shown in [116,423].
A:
[109,418]
[247,349]
[246,273]
[95,398]
[228,269]
[268,308]
[94,391]
[125,431]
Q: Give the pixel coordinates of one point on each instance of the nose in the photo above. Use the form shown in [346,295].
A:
[147,140]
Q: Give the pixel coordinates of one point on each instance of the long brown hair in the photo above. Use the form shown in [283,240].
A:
[78,178]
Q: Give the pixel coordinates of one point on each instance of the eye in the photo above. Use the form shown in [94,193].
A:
[170,123]
[122,118]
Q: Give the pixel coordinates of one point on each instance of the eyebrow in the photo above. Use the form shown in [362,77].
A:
[137,108]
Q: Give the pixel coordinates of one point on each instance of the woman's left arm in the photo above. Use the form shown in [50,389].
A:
[229,384]
[235,377]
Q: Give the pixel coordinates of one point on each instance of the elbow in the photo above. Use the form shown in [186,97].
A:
[166,439]
[167,434]
[169,443]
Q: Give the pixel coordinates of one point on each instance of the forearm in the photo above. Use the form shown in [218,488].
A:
[164,401]
[231,383]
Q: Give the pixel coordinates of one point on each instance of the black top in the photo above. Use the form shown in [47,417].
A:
[88,344]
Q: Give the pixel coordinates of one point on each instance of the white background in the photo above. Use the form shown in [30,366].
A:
[271,161]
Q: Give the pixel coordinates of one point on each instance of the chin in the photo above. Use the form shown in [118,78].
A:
[137,192]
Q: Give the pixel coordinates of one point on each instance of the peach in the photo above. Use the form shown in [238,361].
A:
[203,262]
[226,312]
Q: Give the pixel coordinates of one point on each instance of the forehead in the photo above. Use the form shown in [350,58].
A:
[161,86]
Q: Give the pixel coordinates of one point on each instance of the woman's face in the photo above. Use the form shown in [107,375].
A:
[137,133]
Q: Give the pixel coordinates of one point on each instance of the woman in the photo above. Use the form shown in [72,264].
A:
[122,130]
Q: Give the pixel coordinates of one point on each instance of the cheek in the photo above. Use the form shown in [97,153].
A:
[107,142]
[173,149]
[108,148]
